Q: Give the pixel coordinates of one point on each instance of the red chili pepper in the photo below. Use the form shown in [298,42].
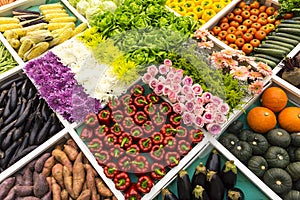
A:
[130,110]
[175,120]
[158,171]
[91,120]
[116,151]
[140,102]
[157,152]
[181,132]
[104,117]
[133,150]
[125,164]
[128,123]
[150,109]
[152,97]
[101,131]
[132,193]
[144,184]
[110,170]
[126,99]
[125,140]
[122,181]
[136,133]
[184,147]
[140,118]
[172,159]
[159,120]
[145,144]
[117,116]
[95,145]
[148,128]
[137,90]
[168,130]
[114,104]
[170,143]
[116,129]
[86,134]
[157,138]
[196,136]
[140,165]
[102,157]
[110,139]
[165,108]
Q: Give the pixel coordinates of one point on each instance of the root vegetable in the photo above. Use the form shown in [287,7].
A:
[64,195]
[90,180]
[62,157]
[85,195]
[47,196]
[56,191]
[48,179]
[40,187]
[68,181]
[71,152]
[5,186]
[49,163]
[27,176]
[19,179]
[22,191]
[57,173]
[102,188]
[72,144]
[114,198]
[28,198]
[11,194]
[38,167]
[78,175]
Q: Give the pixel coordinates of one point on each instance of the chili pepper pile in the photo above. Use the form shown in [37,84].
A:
[138,134]
[25,120]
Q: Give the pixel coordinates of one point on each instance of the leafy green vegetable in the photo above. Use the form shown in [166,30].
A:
[7,62]
[289,6]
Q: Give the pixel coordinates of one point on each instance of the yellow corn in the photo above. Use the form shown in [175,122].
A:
[50,6]
[80,28]
[36,38]
[36,27]
[54,42]
[15,43]
[53,26]
[63,19]
[5,27]
[53,11]
[36,50]
[39,32]
[48,17]
[67,34]
[9,34]
[25,46]
[20,31]
[9,20]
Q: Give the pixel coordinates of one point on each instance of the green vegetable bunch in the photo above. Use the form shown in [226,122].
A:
[6,60]
[289,6]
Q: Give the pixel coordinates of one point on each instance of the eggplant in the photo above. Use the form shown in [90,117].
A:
[42,135]
[235,194]
[33,22]
[46,112]
[21,154]
[1,111]
[7,85]
[30,93]
[3,97]
[6,142]
[214,186]
[21,119]
[199,193]
[199,176]
[229,174]
[24,88]
[29,122]
[18,132]
[1,122]
[235,127]
[13,96]
[8,154]
[7,111]
[168,195]
[38,123]
[13,115]
[184,186]
[24,103]
[6,129]
[213,162]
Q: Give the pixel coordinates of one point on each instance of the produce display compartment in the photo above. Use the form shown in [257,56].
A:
[228,139]
[26,120]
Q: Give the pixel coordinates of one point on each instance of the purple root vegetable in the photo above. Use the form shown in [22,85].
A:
[38,167]
[40,187]
[5,186]
[27,177]
[49,163]
[28,198]
[11,194]
[22,191]
[47,196]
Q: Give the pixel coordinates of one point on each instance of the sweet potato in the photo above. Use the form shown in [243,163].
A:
[19,179]
[49,163]
[48,179]
[64,195]
[62,157]
[56,191]
[57,173]
[102,188]
[47,196]
[38,167]
[11,194]
[68,181]
[28,176]
[71,152]
[114,198]
[90,180]
[5,186]
[85,195]
[28,198]
[22,191]
[78,175]
[40,187]
[72,143]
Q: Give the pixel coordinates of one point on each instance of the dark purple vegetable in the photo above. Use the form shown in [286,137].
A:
[229,174]
[8,139]
[22,191]
[199,176]
[7,111]
[22,154]
[2,97]
[13,97]
[46,112]
[19,132]
[184,186]
[38,123]
[199,193]
[42,134]
[5,186]
[40,187]
[29,122]
[168,195]
[30,93]
[24,103]
[213,162]
[14,114]
[7,84]
[235,194]
[24,88]
[8,154]
[214,186]
[38,167]
[38,21]
[21,119]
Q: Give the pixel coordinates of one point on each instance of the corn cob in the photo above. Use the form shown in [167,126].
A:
[9,20]
[50,6]
[15,43]
[63,19]
[25,46]
[9,34]
[53,26]
[53,11]
[39,32]
[37,38]
[20,31]
[80,28]
[36,50]
[5,27]
[36,27]
[48,17]
[67,34]
[54,42]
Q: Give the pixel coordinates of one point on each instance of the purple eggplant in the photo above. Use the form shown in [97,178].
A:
[229,174]
[184,186]
[168,195]
[235,194]
[199,193]
[213,162]
[199,176]
[214,186]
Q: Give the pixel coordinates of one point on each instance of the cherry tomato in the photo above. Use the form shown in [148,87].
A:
[237,11]
[277,22]
[234,46]
[262,8]
[234,24]
[251,30]
[270,10]
[288,15]
[246,7]
[230,38]
[239,42]
[230,16]
[245,14]
[247,23]
[271,26]
[265,28]
[260,35]
[256,25]
[224,19]
[247,48]
[254,11]
[224,26]
[271,19]
[242,28]
[238,18]
[241,4]
[254,4]
[211,32]
[239,34]
[262,21]
[263,15]
[247,37]
[222,34]
[255,42]
[216,30]
[253,18]
[231,29]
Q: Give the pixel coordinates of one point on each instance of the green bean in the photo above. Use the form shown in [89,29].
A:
[7,62]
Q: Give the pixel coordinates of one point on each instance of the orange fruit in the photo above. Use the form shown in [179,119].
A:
[289,119]
[261,119]
[274,98]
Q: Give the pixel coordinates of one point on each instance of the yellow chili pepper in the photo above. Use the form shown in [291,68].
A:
[208,14]
[201,22]
[191,14]
[217,6]
[198,10]
[206,4]
[225,1]
[181,10]
[189,5]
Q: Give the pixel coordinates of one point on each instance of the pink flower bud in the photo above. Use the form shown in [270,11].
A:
[187,81]
[198,111]
[179,73]
[208,117]
[216,100]
[159,89]
[161,79]
[153,83]
[177,79]
[152,69]
[206,96]
[179,108]
[197,89]
[146,78]
[167,62]
[190,106]
[172,96]
[199,101]
[186,89]
[211,107]
[220,118]
[213,128]
[224,108]
[188,118]
[181,98]
[163,69]
[190,96]
[176,88]
[199,121]
[166,90]
[170,75]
